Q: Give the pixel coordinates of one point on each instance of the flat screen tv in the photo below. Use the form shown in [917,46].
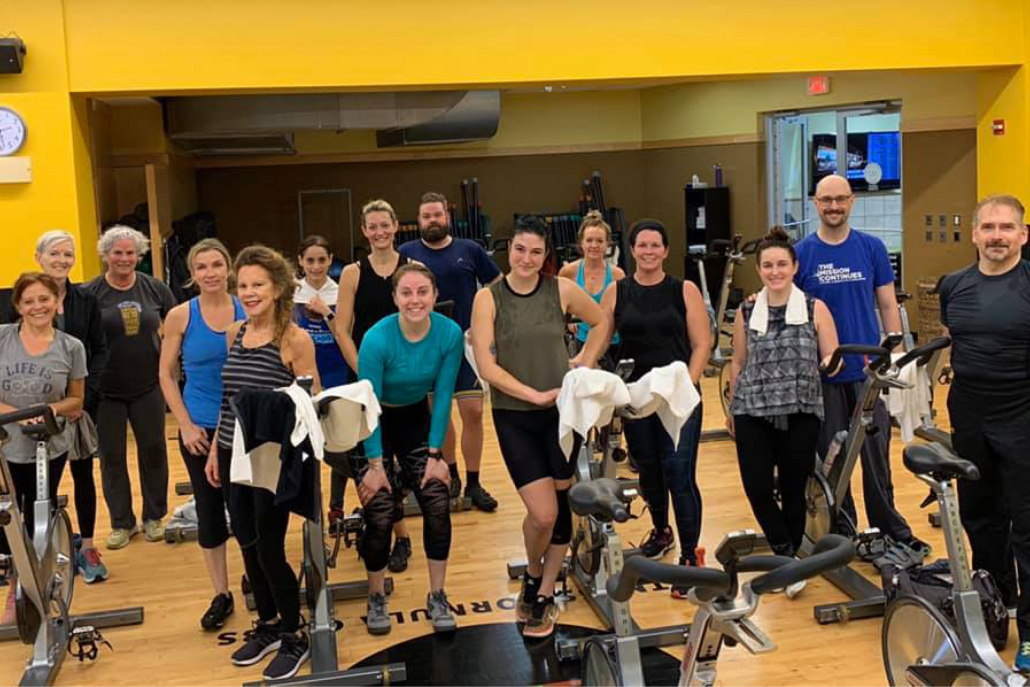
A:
[880,147]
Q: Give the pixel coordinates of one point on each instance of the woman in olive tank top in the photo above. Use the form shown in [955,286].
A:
[662,319]
[518,327]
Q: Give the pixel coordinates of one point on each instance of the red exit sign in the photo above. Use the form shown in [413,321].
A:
[818,85]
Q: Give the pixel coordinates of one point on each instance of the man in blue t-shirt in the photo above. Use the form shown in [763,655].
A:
[851,273]
[460,266]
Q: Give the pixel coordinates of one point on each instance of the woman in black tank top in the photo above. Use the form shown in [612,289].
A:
[266,351]
[662,319]
[365,297]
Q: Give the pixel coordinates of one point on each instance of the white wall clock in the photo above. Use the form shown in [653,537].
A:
[12,131]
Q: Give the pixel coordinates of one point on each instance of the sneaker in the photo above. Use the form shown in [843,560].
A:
[455,487]
[154,530]
[119,537]
[481,498]
[294,651]
[1022,663]
[543,620]
[398,562]
[378,621]
[220,609]
[793,590]
[89,564]
[527,596]
[440,612]
[335,519]
[258,643]
[698,561]
[658,543]
[10,611]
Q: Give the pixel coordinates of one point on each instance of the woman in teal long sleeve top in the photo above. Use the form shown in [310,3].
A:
[406,357]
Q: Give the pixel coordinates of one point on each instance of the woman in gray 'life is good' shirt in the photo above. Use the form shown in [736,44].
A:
[27,380]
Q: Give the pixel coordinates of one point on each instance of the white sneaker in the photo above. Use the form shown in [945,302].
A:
[794,589]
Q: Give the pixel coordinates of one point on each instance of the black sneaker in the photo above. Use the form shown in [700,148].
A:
[481,498]
[258,643]
[658,543]
[221,608]
[294,651]
[398,562]
[455,487]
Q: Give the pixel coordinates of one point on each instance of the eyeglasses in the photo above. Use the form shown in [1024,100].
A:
[830,200]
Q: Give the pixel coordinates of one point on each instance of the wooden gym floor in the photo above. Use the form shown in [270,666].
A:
[170,581]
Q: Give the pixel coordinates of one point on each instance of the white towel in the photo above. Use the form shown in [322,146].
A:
[797,311]
[910,406]
[588,398]
[352,416]
[669,392]
[470,356]
[305,291]
[260,467]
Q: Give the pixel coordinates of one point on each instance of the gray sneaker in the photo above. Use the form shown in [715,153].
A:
[440,612]
[378,622]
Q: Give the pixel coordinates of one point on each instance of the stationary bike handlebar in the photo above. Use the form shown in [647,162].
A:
[43,410]
[831,552]
[922,354]
[881,355]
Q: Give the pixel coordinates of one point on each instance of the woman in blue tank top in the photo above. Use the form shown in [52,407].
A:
[314,309]
[196,331]
[592,272]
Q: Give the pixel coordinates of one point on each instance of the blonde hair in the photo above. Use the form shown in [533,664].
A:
[279,270]
[49,238]
[377,205]
[203,246]
[594,218]
[120,232]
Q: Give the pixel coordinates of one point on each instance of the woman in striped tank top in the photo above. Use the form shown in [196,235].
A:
[267,351]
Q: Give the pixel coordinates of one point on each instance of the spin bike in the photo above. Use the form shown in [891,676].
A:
[724,605]
[44,562]
[920,645]
[829,483]
[734,253]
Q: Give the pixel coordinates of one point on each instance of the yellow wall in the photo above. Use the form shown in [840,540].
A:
[728,108]
[125,47]
[60,194]
[193,45]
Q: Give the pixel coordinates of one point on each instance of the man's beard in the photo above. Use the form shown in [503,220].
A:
[837,220]
[434,232]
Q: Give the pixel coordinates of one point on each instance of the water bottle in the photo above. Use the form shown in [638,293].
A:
[836,445]
[718,175]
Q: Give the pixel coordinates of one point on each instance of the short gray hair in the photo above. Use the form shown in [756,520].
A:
[1003,199]
[120,232]
[49,238]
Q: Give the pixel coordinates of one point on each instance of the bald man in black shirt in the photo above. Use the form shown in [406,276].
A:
[986,309]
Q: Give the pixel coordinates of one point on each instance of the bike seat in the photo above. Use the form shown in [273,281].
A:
[934,459]
[37,432]
[601,498]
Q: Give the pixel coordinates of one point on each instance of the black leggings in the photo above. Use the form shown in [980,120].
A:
[404,431]
[85,495]
[760,448]
[260,528]
[24,477]
[211,528]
